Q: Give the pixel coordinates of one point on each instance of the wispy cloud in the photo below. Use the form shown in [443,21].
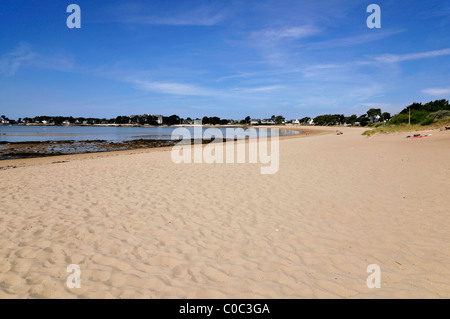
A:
[437,91]
[172,88]
[258,89]
[352,40]
[57,62]
[183,89]
[393,58]
[295,32]
[276,46]
[11,61]
[202,16]
[321,69]
[364,93]
[24,55]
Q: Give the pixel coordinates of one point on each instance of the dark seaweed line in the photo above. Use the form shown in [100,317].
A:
[16,150]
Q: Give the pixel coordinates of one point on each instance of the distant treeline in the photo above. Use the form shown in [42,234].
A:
[418,113]
[64,120]
[415,113]
[373,115]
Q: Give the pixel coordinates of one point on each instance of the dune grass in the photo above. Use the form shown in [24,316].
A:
[407,128]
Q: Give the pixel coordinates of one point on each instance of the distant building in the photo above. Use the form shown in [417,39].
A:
[188,122]
[267,121]
[374,118]
[254,121]
[135,118]
[159,119]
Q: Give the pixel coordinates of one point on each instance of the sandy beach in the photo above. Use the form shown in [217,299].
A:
[140,226]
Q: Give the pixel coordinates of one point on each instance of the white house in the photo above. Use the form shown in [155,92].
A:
[189,122]
[374,119]
[310,122]
[254,121]
[267,121]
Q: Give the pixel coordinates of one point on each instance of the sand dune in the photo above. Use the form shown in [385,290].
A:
[140,226]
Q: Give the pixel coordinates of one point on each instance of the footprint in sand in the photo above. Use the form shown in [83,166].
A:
[25,253]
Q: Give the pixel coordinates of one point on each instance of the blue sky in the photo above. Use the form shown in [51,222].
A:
[221,58]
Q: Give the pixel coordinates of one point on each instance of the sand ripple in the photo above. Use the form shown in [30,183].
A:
[140,226]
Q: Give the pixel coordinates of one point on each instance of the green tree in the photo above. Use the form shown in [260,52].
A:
[351,119]
[215,120]
[142,120]
[373,113]
[171,120]
[58,120]
[206,120]
[119,120]
[279,119]
[363,120]
[386,116]
[304,120]
[329,119]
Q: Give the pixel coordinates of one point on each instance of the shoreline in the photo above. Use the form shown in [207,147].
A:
[46,148]
[50,159]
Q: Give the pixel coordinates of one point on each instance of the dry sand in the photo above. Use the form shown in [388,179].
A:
[140,226]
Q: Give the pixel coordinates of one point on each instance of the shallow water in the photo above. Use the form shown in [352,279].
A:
[107,133]
[38,141]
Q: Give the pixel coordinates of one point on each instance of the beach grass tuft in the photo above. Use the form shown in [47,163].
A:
[426,124]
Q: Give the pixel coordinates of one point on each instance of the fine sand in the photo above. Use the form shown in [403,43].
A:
[140,226]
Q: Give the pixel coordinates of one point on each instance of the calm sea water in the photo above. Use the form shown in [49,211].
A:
[89,133]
